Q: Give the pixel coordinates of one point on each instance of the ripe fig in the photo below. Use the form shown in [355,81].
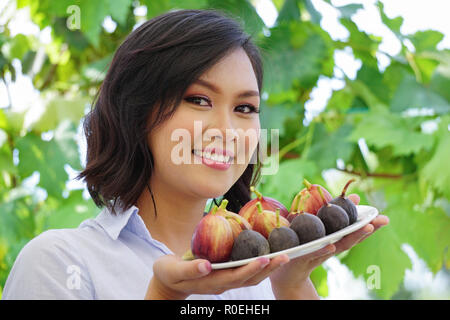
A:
[308,227]
[249,210]
[249,244]
[281,238]
[237,222]
[212,239]
[346,204]
[333,217]
[265,220]
[309,199]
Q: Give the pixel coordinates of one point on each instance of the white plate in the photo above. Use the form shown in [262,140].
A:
[365,215]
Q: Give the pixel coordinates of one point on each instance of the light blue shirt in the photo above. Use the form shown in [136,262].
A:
[109,257]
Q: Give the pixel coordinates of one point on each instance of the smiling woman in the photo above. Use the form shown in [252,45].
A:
[176,69]
[193,71]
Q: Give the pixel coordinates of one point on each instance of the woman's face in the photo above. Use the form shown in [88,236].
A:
[217,116]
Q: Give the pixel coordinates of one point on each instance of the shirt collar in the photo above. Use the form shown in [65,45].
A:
[114,224]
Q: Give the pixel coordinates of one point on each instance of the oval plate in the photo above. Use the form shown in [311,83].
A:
[365,215]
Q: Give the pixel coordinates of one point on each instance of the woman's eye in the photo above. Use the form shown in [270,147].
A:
[204,102]
[198,101]
[247,108]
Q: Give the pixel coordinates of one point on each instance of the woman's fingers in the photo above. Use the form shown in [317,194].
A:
[353,238]
[176,270]
[354,198]
[380,221]
[274,264]
[218,281]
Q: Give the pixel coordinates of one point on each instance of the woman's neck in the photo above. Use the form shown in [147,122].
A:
[177,216]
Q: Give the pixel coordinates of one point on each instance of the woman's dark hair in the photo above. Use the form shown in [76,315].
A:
[146,80]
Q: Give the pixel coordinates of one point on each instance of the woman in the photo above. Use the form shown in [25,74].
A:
[192,74]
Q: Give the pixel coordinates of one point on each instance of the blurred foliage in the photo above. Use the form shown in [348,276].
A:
[404,171]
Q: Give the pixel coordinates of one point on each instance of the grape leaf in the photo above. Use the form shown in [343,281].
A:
[287,182]
[327,147]
[437,171]
[411,94]
[381,251]
[69,212]
[49,157]
[59,109]
[389,130]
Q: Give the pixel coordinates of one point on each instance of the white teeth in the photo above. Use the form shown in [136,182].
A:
[214,156]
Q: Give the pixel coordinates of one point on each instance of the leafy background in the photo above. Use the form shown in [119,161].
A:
[375,126]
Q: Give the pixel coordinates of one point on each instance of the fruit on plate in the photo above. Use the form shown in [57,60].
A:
[282,237]
[333,217]
[308,227]
[212,239]
[249,210]
[298,204]
[309,199]
[249,244]
[346,204]
[237,222]
[265,220]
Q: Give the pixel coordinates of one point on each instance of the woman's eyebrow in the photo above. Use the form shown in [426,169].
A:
[212,87]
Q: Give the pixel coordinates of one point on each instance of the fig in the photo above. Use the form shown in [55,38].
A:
[212,239]
[265,221]
[333,217]
[249,244]
[346,204]
[237,222]
[308,227]
[298,205]
[309,199]
[281,237]
[249,210]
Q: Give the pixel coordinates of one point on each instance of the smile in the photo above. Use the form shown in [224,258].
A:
[212,155]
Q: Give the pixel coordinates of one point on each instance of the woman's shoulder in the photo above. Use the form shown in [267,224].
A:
[43,267]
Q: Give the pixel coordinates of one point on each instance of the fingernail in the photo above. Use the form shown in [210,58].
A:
[204,267]
[263,262]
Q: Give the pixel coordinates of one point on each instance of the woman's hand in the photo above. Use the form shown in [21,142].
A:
[174,278]
[290,280]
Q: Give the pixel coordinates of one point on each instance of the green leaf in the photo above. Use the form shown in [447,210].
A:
[387,130]
[436,171]
[244,12]
[92,15]
[363,45]
[340,100]
[319,279]
[289,11]
[380,252]
[49,157]
[349,10]
[426,40]
[411,94]
[287,182]
[327,147]
[59,109]
[304,59]
[119,10]
[394,24]
[16,47]
[424,228]
[70,212]
[274,117]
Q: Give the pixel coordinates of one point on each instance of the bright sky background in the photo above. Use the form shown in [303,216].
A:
[417,15]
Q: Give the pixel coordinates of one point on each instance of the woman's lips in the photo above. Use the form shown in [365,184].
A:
[215,158]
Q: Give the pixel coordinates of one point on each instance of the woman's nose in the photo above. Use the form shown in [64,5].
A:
[224,128]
